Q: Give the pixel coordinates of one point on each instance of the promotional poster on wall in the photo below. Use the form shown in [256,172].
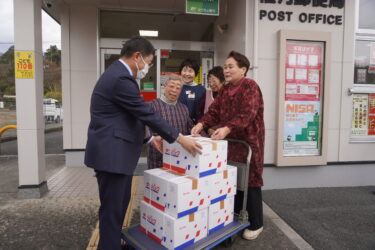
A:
[363,115]
[360,114]
[371,115]
[303,72]
[301,128]
[302,111]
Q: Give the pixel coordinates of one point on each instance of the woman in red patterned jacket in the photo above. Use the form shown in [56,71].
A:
[237,113]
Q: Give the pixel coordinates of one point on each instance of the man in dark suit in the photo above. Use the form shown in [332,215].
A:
[116,134]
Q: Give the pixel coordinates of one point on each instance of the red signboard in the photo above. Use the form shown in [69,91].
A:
[303,69]
[148,96]
[164,53]
[371,114]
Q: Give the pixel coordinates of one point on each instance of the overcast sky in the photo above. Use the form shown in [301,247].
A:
[50,28]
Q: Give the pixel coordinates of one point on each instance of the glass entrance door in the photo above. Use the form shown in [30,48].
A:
[148,85]
[171,60]
[166,62]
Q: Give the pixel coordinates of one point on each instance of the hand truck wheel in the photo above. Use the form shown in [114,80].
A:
[228,242]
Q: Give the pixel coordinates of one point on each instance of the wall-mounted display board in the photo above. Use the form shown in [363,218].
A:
[363,118]
[304,69]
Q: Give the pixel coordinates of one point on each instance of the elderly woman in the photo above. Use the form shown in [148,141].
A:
[192,94]
[216,80]
[173,111]
[237,112]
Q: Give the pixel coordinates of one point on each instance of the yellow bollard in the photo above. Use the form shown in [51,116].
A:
[5,128]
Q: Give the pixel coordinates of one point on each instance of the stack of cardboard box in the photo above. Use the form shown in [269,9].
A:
[189,197]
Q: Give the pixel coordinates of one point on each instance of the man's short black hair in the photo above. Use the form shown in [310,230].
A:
[191,63]
[137,44]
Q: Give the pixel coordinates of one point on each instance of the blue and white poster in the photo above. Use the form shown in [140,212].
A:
[301,128]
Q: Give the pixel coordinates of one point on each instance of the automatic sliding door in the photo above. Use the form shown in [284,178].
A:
[170,61]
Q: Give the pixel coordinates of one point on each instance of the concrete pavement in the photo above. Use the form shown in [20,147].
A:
[63,219]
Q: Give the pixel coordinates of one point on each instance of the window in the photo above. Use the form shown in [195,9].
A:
[364,64]
[366,14]
[363,102]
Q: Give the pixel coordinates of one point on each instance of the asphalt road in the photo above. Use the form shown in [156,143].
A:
[53,144]
[328,218]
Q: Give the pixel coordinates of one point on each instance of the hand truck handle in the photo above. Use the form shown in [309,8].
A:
[243,214]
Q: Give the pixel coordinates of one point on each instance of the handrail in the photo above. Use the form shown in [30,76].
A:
[5,128]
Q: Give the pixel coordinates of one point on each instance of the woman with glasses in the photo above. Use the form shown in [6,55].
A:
[216,81]
[173,111]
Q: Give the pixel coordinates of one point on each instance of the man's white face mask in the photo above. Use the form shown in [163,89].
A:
[142,73]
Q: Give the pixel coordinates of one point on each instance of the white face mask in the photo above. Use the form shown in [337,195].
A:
[142,73]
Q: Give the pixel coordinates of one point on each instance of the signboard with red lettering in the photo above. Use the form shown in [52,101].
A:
[24,64]
[302,110]
[363,115]
[303,68]
[371,115]
[360,113]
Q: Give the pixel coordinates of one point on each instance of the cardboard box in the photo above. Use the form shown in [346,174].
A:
[171,232]
[223,185]
[152,222]
[220,214]
[212,160]
[176,194]
[155,190]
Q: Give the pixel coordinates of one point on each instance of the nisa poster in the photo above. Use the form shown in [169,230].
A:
[302,128]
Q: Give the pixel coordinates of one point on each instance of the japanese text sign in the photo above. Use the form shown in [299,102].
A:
[24,64]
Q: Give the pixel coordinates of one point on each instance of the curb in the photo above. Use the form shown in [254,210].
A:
[13,138]
[293,236]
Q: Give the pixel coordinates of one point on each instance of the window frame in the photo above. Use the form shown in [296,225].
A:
[359,88]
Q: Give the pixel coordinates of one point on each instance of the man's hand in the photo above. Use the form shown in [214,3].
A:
[157,143]
[195,131]
[190,145]
[220,133]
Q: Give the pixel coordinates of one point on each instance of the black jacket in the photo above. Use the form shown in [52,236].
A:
[118,115]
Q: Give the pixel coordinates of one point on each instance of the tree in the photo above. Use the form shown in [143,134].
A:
[7,72]
[10,90]
[8,59]
[52,73]
[3,86]
[53,54]
[8,56]
[54,95]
